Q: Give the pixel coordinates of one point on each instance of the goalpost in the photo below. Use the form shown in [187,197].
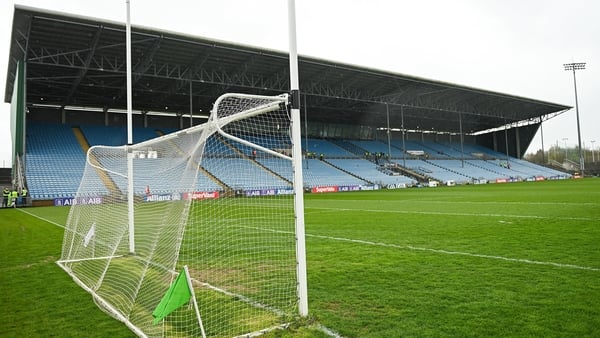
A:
[222,199]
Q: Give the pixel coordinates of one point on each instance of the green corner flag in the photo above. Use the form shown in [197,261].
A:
[177,295]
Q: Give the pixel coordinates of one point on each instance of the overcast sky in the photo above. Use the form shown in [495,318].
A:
[514,47]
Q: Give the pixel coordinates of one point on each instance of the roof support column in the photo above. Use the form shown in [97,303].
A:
[462,148]
[191,105]
[506,141]
[387,111]
[403,136]
[305,131]
[129,83]
[145,116]
[542,135]
[106,115]
[495,139]
[518,142]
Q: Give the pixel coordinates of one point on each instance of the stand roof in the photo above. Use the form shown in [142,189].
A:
[80,61]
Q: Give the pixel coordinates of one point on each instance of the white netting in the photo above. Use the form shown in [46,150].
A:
[217,198]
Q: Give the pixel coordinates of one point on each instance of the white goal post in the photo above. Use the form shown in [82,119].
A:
[221,198]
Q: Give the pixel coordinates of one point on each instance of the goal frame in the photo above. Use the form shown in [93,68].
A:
[214,125]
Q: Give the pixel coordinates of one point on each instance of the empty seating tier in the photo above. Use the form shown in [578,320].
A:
[55,161]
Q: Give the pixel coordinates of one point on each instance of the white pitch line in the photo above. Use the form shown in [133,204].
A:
[42,218]
[439,251]
[482,202]
[447,252]
[409,247]
[459,214]
[328,331]
[510,202]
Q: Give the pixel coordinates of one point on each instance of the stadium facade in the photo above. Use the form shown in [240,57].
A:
[67,75]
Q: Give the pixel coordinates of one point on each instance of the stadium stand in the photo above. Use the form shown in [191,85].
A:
[216,147]
[347,117]
[436,171]
[468,169]
[237,172]
[320,173]
[376,147]
[371,172]
[328,149]
[55,162]
[115,135]
[147,178]
[437,150]
[274,164]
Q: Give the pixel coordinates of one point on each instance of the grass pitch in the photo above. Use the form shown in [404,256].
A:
[496,260]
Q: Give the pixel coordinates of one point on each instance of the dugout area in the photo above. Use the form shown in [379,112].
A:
[71,70]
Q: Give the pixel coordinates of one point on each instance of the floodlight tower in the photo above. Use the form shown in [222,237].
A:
[577,66]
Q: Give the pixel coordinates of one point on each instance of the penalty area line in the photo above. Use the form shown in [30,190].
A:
[457,253]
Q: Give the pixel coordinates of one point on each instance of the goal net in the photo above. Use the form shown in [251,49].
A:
[217,198]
